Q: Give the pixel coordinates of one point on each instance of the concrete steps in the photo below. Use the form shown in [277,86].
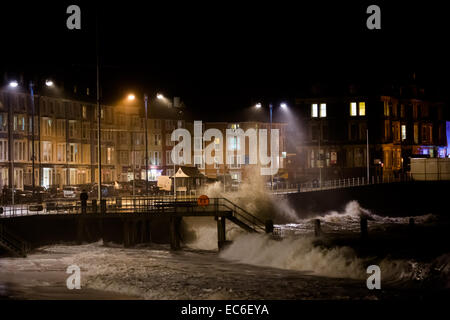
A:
[12,243]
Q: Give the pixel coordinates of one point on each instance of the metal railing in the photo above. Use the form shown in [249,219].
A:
[282,188]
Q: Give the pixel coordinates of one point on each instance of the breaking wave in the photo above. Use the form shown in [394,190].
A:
[301,254]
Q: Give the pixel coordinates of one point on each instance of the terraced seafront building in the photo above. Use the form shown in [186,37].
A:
[65,140]
[402,122]
[65,135]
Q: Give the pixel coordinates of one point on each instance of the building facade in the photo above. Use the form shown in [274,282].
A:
[345,136]
[65,142]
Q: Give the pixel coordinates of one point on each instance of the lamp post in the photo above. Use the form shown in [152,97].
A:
[283,106]
[132,97]
[32,137]
[146,146]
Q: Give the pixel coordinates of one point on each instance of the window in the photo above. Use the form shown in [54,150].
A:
[402,110]
[84,112]
[354,131]
[157,139]
[73,152]
[3,150]
[362,108]
[169,157]
[157,158]
[386,109]
[234,143]
[19,122]
[123,138]
[427,130]
[416,133]
[415,111]
[47,151]
[20,150]
[394,110]
[157,124]
[61,128]
[124,159]
[323,110]
[61,152]
[170,125]
[424,111]
[73,129]
[139,138]
[169,141]
[47,126]
[353,109]
[403,132]
[109,155]
[3,122]
[314,132]
[4,177]
[314,110]
[85,131]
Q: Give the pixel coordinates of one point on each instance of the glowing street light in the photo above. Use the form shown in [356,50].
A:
[13,84]
[131,97]
[160,96]
[283,106]
[258,105]
[49,83]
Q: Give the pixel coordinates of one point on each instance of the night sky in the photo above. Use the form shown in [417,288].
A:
[221,55]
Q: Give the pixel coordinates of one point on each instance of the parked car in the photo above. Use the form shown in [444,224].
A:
[71,192]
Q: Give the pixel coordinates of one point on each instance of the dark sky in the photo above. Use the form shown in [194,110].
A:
[221,54]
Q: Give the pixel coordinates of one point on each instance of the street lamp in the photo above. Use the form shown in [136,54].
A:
[13,84]
[49,83]
[283,106]
[132,97]
[160,96]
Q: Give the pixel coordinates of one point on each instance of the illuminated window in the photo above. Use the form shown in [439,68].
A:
[314,110]
[362,108]
[353,108]
[323,110]
[84,112]
[403,132]
[416,133]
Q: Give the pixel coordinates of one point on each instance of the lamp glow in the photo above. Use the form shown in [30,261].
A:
[131,97]
[258,105]
[13,84]
[159,96]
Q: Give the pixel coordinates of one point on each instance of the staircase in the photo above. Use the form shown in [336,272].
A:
[243,218]
[12,243]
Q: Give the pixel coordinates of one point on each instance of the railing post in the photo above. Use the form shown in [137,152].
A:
[94,206]
[103,206]
[269,226]
[317,230]
[363,223]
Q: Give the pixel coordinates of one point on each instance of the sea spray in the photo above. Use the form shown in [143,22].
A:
[254,196]
[295,254]
[301,254]
[201,232]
